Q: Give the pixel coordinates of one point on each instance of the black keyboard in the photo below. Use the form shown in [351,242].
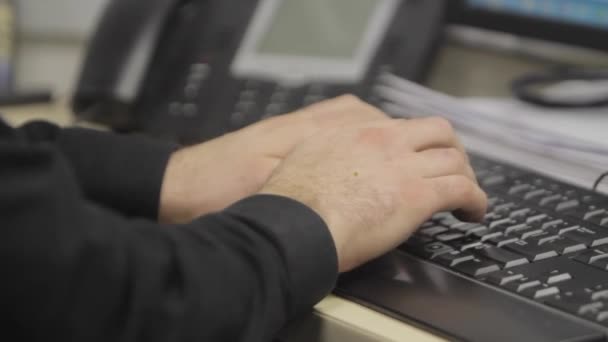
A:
[541,253]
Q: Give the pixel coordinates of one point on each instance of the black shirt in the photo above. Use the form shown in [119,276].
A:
[83,259]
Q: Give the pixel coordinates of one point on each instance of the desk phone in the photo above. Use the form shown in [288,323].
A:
[190,70]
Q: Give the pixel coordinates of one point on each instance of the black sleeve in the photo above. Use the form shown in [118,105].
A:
[75,271]
[123,172]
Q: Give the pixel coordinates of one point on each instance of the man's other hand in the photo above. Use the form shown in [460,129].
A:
[210,176]
[375,182]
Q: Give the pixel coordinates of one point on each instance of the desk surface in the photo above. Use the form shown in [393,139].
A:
[460,71]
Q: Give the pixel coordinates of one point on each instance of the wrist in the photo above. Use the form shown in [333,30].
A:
[173,206]
[331,218]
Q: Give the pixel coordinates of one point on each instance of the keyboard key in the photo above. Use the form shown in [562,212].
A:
[602,316]
[487,236]
[522,285]
[417,240]
[589,237]
[442,215]
[584,212]
[560,244]
[502,240]
[536,194]
[503,257]
[461,226]
[454,258]
[503,277]
[449,220]
[582,275]
[562,228]
[432,231]
[600,295]
[535,233]
[490,217]
[428,251]
[532,242]
[478,232]
[570,301]
[517,228]
[552,223]
[537,236]
[477,267]
[541,292]
[531,251]
[567,205]
[521,213]
[591,308]
[446,237]
[493,180]
[520,188]
[468,228]
[501,223]
[465,243]
[591,255]
[600,220]
[546,292]
[504,208]
[546,201]
[602,264]
[558,278]
[536,218]
[427,224]
[494,201]
[593,213]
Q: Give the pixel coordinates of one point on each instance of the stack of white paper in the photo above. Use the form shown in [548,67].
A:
[564,146]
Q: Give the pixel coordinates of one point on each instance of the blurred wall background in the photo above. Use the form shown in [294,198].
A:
[59,19]
[51,40]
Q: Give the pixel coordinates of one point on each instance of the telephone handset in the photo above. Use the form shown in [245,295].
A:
[190,70]
[118,57]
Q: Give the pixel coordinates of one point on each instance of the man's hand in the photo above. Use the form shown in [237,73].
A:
[210,176]
[375,182]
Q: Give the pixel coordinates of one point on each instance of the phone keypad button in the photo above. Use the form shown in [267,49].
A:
[237,119]
[190,110]
[199,72]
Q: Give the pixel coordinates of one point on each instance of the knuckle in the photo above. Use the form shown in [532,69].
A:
[377,136]
[350,99]
[464,187]
[403,124]
[435,193]
[456,158]
[375,112]
[432,198]
[484,200]
[441,124]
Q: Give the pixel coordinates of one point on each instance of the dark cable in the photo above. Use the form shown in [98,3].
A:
[599,181]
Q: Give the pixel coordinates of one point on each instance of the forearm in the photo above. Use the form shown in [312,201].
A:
[230,276]
[76,271]
[123,172]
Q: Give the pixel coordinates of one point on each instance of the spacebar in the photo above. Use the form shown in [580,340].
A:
[456,307]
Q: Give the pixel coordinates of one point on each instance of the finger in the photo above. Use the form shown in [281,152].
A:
[440,162]
[279,135]
[429,133]
[436,132]
[291,129]
[460,195]
[343,110]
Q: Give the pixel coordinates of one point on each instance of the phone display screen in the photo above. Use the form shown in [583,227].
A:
[298,41]
[322,28]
